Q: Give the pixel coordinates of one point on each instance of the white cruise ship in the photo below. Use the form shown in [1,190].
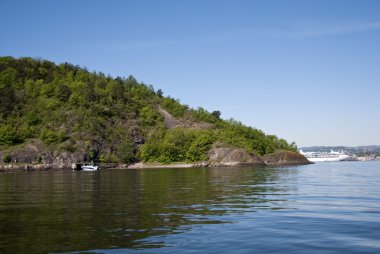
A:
[328,156]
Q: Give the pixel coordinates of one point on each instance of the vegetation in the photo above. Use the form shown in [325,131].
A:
[109,119]
[7,159]
[177,144]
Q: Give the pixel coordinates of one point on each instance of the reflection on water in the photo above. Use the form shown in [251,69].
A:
[180,210]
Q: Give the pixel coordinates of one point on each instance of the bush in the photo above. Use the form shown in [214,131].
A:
[199,147]
[108,158]
[7,159]
[91,155]
[103,158]
[177,145]
[149,116]
[39,159]
[49,136]
[69,146]
[125,152]
[32,118]
[9,136]
[201,114]
[173,107]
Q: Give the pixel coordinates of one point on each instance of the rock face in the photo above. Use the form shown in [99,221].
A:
[172,122]
[231,157]
[63,160]
[226,156]
[169,120]
[220,155]
[34,153]
[285,158]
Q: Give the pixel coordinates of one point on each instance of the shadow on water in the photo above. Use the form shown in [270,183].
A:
[71,211]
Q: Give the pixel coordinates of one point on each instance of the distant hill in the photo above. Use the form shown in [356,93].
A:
[358,150]
[64,113]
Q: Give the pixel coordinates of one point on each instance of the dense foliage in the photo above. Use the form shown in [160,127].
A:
[178,144]
[109,119]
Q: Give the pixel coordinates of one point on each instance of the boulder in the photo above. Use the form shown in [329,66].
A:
[225,156]
[280,158]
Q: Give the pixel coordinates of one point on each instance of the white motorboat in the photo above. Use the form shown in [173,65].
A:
[89,168]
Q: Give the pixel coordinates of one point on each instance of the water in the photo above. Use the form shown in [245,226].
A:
[320,208]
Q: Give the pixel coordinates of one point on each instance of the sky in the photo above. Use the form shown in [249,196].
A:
[307,71]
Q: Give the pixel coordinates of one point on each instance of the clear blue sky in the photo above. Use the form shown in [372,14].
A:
[307,71]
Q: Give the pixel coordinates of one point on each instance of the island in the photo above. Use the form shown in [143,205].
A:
[58,115]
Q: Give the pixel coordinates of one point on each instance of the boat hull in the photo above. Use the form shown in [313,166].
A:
[90,168]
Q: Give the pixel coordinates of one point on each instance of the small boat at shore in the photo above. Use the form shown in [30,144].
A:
[89,168]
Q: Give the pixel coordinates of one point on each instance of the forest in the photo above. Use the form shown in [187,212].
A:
[66,108]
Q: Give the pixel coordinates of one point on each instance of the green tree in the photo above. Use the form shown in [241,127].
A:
[7,159]
[216,114]
[8,79]
[115,90]
[149,116]
[50,136]
[63,92]
[9,136]
[125,151]
[32,118]
[199,147]
[160,93]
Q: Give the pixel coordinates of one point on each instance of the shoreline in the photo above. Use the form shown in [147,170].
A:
[224,157]
[142,165]
[20,167]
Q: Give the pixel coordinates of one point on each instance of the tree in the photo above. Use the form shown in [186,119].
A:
[7,159]
[125,151]
[62,92]
[160,93]
[91,155]
[149,117]
[7,94]
[8,135]
[50,136]
[216,113]
[116,90]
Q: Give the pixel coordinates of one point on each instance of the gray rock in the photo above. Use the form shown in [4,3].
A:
[280,158]
[225,156]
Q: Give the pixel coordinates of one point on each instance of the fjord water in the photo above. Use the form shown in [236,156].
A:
[320,208]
